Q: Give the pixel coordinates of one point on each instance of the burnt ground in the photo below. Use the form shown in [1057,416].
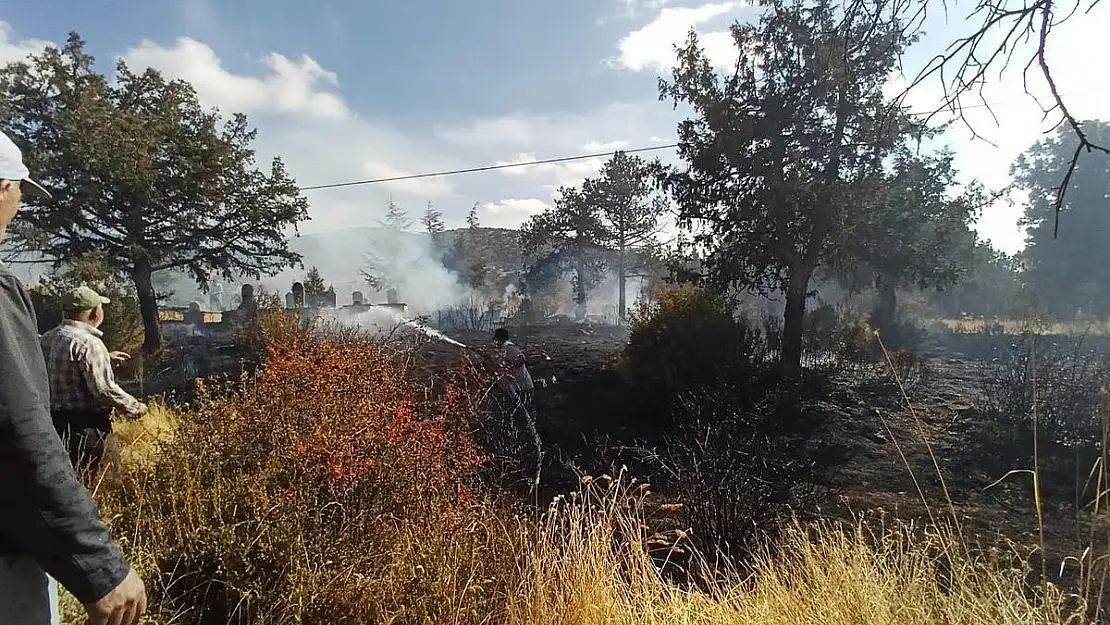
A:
[865,426]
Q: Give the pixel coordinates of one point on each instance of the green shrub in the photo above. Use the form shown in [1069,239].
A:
[688,339]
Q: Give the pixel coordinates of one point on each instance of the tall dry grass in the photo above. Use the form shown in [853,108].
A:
[331,488]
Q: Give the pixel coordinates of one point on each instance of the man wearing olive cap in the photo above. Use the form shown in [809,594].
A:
[83,388]
[48,521]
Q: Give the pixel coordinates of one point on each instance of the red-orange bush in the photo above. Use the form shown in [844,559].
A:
[351,416]
[331,451]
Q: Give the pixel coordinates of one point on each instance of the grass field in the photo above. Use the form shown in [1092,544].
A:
[1021,326]
[332,488]
[586,562]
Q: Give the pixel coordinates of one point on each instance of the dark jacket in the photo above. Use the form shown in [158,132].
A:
[45,512]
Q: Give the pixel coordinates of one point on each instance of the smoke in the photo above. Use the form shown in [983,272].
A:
[412,263]
[381,321]
[604,299]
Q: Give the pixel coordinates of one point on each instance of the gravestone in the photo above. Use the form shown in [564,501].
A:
[391,296]
[246,295]
[298,295]
[289,303]
[195,315]
[356,298]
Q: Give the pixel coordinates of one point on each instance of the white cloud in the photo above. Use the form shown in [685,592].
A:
[510,213]
[652,48]
[620,125]
[423,187]
[319,137]
[605,146]
[290,87]
[11,51]
[1014,121]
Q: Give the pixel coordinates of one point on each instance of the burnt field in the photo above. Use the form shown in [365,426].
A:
[861,439]
[848,438]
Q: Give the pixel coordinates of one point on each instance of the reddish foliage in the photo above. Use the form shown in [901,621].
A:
[341,413]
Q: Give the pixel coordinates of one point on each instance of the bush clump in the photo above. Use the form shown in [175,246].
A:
[689,339]
[1054,386]
[325,487]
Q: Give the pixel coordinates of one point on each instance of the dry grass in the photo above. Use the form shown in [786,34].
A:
[231,523]
[1022,326]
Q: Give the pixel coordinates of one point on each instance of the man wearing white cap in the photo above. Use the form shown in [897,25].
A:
[83,388]
[48,521]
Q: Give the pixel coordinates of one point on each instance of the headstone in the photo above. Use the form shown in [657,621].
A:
[298,295]
[215,301]
[246,295]
[195,314]
[391,296]
[356,298]
[330,298]
[289,303]
[580,311]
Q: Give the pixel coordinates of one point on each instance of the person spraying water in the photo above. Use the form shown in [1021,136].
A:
[517,383]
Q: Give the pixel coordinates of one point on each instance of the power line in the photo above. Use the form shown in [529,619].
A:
[471,170]
[582,157]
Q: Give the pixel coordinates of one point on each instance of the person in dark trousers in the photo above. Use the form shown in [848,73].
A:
[50,531]
[83,388]
[518,385]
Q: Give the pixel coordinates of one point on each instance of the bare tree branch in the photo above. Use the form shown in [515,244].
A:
[966,66]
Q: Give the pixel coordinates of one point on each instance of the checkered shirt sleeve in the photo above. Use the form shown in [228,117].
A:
[81,376]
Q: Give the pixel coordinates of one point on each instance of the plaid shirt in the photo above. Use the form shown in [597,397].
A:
[81,376]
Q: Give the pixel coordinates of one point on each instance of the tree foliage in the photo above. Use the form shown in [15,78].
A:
[384,260]
[472,220]
[991,287]
[564,240]
[1070,276]
[629,209]
[141,172]
[314,286]
[1002,32]
[784,157]
[123,322]
[433,221]
[921,236]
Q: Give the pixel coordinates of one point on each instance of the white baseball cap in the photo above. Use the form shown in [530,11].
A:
[12,167]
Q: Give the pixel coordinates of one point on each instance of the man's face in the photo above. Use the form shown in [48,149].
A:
[10,196]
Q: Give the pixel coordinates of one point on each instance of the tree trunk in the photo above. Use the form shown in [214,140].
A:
[141,274]
[887,305]
[580,285]
[621,304]
[793,316]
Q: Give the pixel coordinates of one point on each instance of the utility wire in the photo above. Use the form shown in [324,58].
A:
[471,170]
[577,157]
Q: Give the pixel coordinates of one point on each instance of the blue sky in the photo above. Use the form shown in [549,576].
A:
[352,90]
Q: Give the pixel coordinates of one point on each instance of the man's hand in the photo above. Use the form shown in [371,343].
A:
[123,606]
[138,412]
[118,357]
